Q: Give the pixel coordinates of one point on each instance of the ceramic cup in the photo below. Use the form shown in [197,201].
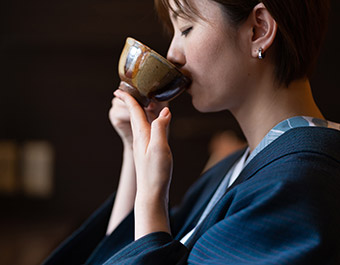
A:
[147,75]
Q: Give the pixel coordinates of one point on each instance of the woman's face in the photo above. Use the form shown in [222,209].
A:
[210,51]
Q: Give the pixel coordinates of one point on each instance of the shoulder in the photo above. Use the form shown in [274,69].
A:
[319,139]
[303,165]
[286,202]
[297,149]
[304,154]
[301,155]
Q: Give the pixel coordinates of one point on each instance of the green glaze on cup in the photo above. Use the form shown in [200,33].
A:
[148,75]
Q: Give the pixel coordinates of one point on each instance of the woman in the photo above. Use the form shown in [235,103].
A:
[275,202]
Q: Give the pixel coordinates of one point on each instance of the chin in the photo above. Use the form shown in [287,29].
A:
[205,105]
[201,101]
[202,105]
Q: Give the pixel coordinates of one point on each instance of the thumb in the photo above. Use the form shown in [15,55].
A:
[159,127]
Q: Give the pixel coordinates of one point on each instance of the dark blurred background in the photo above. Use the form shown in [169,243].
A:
[59,155]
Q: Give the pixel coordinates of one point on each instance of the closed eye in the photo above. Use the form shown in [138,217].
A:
[186,31]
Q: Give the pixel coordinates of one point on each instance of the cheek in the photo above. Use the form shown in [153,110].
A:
[217,80]
[203,51]
[202,63]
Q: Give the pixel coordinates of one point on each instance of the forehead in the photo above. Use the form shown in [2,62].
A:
[181,8]
[203,11]
[206,10]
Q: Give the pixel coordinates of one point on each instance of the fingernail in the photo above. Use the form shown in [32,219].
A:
[165,112]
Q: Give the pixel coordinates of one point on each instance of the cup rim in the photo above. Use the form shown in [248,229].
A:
[159,56]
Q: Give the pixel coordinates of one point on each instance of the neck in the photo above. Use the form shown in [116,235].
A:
[268,105]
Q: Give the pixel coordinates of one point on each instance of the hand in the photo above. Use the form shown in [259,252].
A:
[120,117]
[153,163]
[150,146]
[126,192]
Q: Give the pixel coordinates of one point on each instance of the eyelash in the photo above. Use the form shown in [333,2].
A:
[186,32]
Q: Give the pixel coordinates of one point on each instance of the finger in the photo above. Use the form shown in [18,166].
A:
[159,127]
[132,105]
[117,102]
[119,106]
[118,111]
[139,123]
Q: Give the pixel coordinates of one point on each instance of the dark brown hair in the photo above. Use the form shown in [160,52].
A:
[301,29]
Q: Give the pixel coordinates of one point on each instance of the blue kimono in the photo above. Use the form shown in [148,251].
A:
[284,208]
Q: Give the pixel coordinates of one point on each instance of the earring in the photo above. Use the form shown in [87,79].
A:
[261,55]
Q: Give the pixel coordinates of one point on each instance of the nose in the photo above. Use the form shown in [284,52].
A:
[176,54]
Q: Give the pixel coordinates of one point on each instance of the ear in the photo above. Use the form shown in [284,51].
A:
[264,29]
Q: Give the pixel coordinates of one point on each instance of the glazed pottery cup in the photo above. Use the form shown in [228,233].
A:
[147,75]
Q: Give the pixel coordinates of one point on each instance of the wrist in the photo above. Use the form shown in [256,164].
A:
[127,145]
[151,215]
[150,192]
[151,199]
